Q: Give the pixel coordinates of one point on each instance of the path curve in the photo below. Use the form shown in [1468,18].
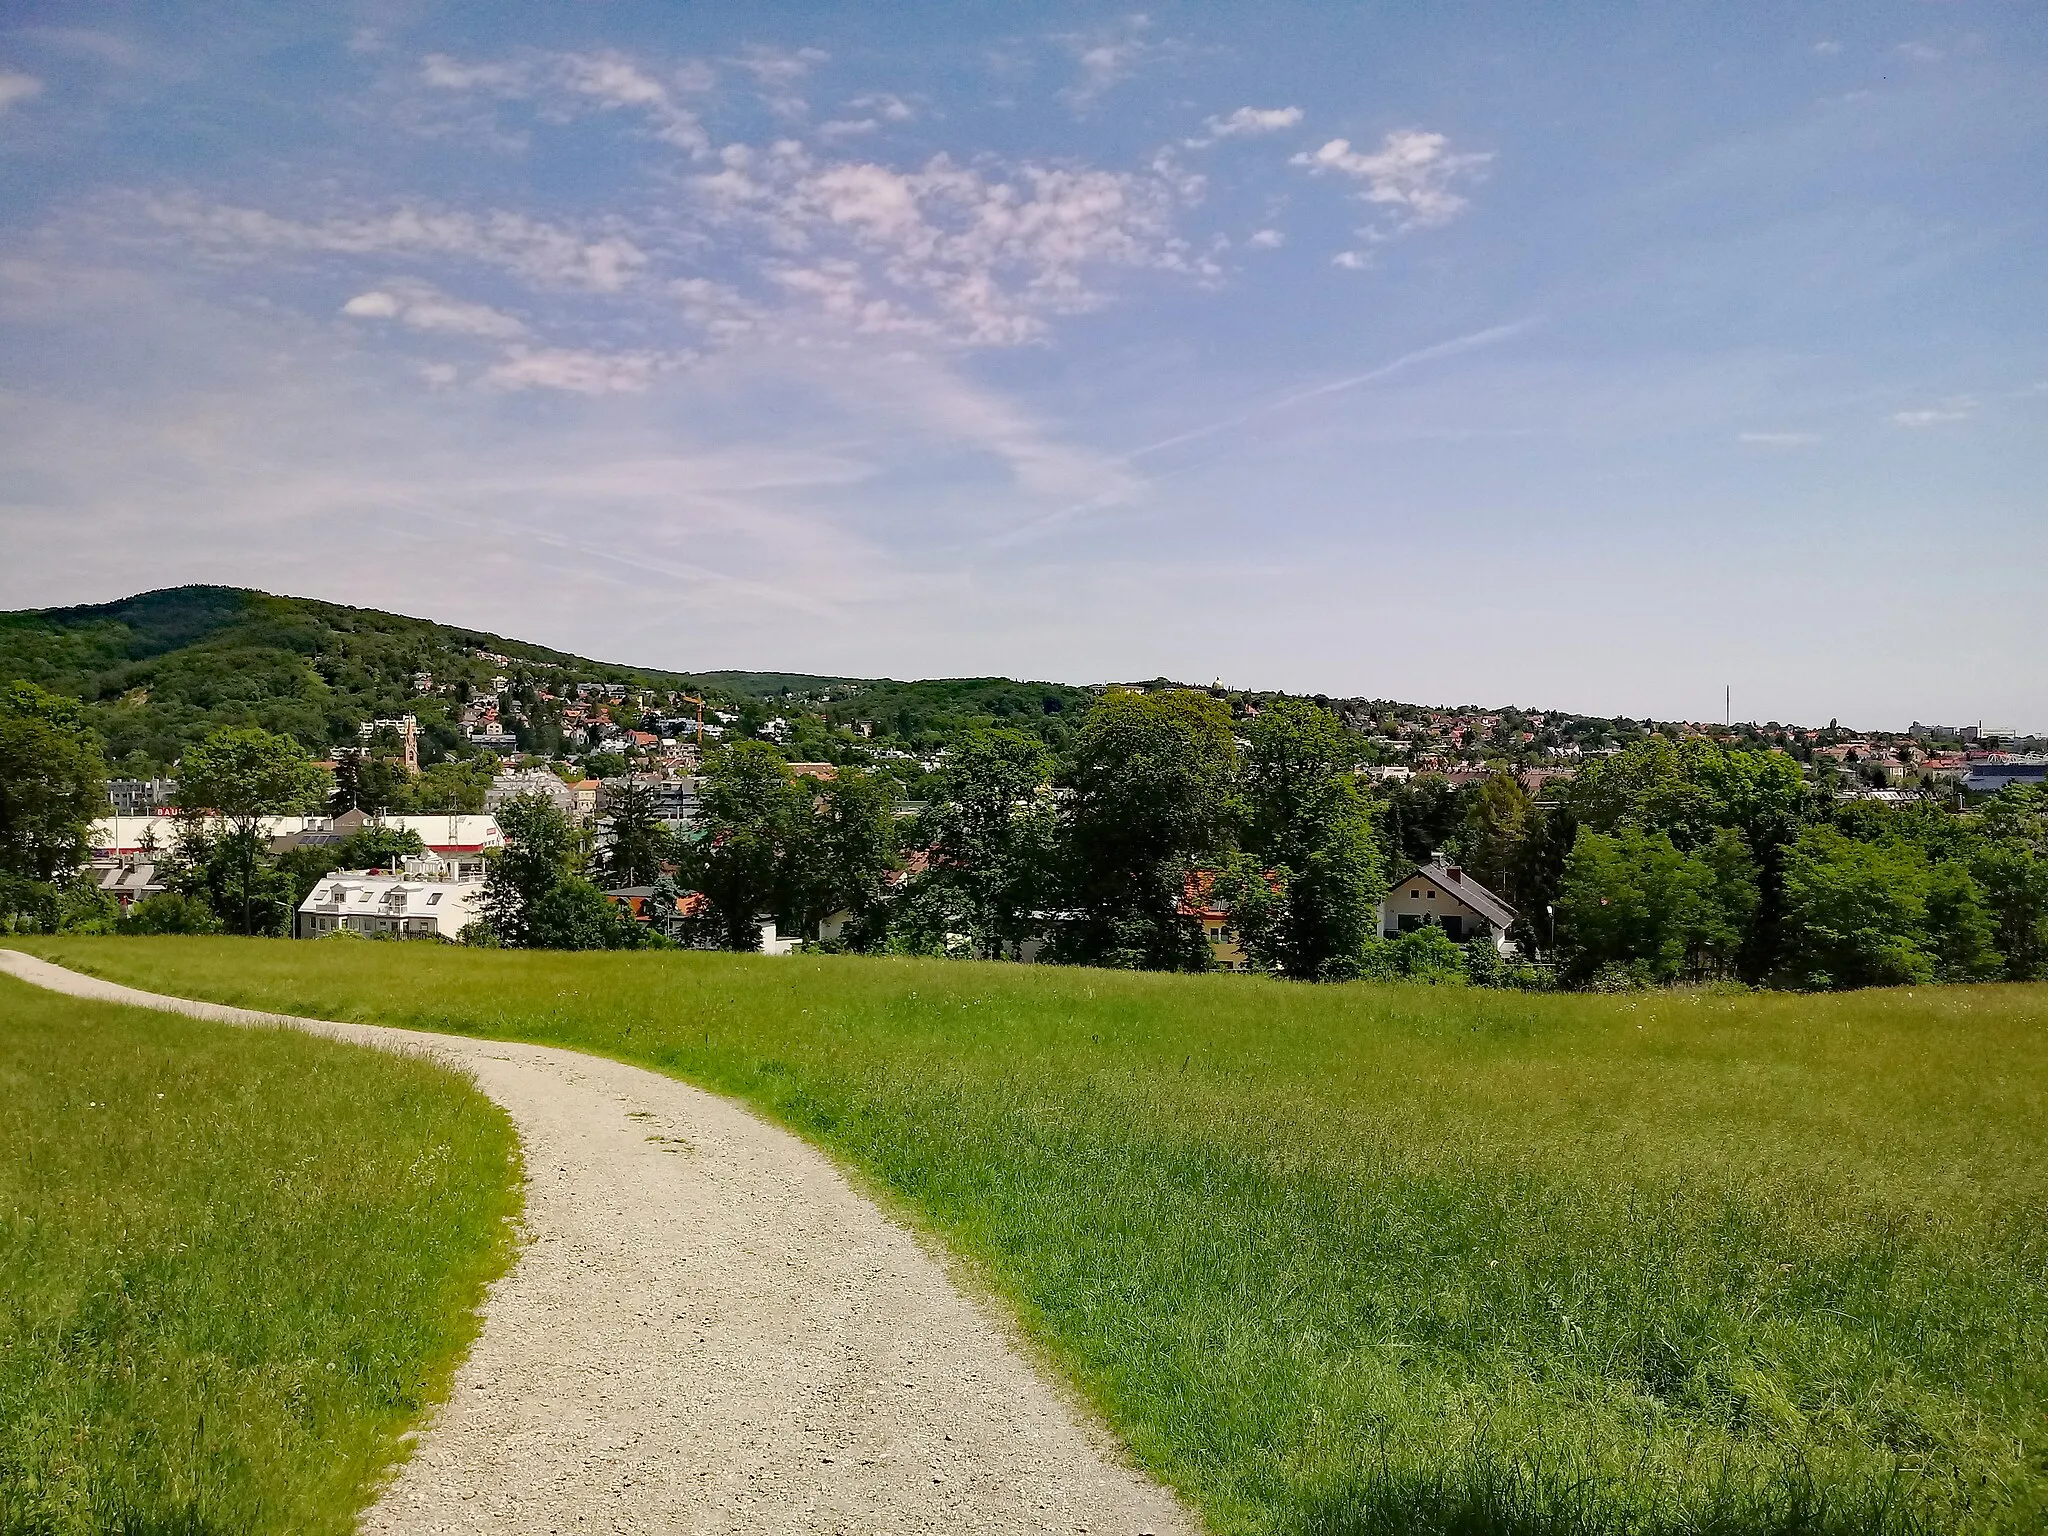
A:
[709,1331]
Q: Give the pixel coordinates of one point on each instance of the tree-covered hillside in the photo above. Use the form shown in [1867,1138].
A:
[160,670]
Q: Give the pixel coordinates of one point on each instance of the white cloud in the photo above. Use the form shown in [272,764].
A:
[425,308]
[847,128]
[16,87]
[1827,48]
[886,105]
[444,73]
[1351,261]
[778,71]
[1247,122]
[1958,409]
[1412,171]
[547,255]
[971,254]
[1778,439]
[568,82]
[577,372]
[1920,53]
[1266,239]
[372,306]
[1105,58]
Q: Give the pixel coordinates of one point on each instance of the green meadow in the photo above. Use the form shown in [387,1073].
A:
[1388,1258]
[235,1266]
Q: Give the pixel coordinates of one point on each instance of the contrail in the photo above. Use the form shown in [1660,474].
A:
[1451,348]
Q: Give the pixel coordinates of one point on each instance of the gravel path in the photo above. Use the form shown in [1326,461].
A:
[709,1330]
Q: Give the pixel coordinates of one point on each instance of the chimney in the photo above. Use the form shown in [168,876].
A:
[1453,872]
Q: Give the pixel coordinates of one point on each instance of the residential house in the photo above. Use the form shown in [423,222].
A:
[426,898]
[127,877]
[1226,952]
[1443,895]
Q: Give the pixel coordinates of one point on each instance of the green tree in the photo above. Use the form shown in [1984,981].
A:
[455,786]
[52,783]
[1691,790]
[82,907]
[1499,821]
[841,852]
[639,841]
[1308,834]
[1961,937]
[234,874]
[2014,879]
[572,913]
[535,895]
[1855,913]
[1148,787]
[994,837]
[751,813]
[242,776]
[1634,901]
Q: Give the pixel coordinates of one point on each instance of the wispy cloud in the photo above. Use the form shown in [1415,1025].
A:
[546,254]
[1961,408]
[1920,53]
[1778,439]
[1413,173]
[571,83]
[16,87]
[1106,58]
[579,372]
[423,307]
[886,105]
[778,72]
[1246,122]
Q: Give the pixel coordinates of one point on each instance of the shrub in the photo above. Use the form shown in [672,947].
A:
[169,912]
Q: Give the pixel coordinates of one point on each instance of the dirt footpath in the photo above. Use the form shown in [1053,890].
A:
[710,1331]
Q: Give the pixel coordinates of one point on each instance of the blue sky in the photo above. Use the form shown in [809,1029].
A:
[1585,356]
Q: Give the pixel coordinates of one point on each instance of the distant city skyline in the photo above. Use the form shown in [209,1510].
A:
[1569,359]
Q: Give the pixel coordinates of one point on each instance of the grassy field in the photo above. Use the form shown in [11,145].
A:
[1380,1259]
[235,1265]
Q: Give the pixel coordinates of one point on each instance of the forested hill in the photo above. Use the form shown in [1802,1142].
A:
[161,669]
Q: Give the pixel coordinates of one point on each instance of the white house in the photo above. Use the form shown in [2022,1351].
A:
[1443,895]
[423,900]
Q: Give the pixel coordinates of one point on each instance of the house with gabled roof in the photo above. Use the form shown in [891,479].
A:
[1444,895]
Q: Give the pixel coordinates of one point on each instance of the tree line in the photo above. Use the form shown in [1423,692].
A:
[1670,861]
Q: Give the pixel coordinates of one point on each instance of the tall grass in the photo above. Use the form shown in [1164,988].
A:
[235,1265]
[1389,1259]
